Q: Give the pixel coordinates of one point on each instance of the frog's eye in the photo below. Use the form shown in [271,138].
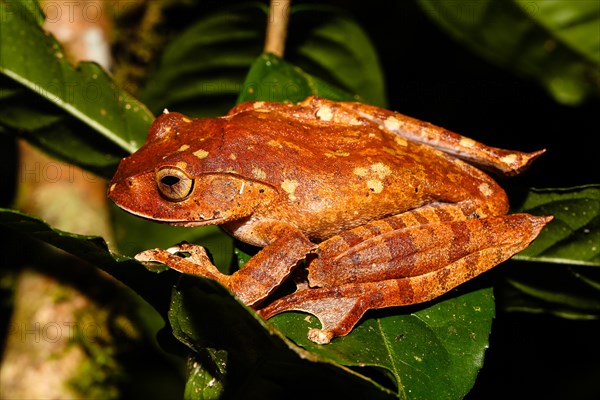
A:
[173,183]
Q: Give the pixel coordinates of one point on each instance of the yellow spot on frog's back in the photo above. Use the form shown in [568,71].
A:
[381,170]
[360,171]
[509,159]
[400,140]
[112,187]
[289,186]
[324,113]
[200,153]
[259,104]
[336,153]
[232,156]
[375,185]
[274,143]
[183,147]
[186,119]
[259,173]
[391,123]
[485,189]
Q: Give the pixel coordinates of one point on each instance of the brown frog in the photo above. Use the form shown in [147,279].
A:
[383,207]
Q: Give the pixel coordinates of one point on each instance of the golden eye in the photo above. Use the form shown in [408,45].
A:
[173,183]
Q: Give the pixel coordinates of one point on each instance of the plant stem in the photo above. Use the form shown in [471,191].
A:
[277,27]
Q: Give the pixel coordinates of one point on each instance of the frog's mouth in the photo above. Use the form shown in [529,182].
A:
[188,223]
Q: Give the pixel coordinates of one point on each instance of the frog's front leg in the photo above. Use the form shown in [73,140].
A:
[403,266]
[260,275]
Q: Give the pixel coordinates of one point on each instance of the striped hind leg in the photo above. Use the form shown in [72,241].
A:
[483,244]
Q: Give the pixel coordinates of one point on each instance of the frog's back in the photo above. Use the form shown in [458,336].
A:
[332,177]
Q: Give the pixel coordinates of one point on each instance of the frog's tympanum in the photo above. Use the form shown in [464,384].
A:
[386,210]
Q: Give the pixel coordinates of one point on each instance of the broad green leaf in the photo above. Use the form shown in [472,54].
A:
[201,71]
[565,291]
[328,44]
[206,375]
[154,288]
[78,113]
[273,79]
[254,359]
[573,237]
[198,296]
[575,25]
[569,285]
[431,352]
[324,41]
[555,42]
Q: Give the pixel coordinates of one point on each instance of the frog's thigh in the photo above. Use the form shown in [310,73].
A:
[340,307]
[378,233]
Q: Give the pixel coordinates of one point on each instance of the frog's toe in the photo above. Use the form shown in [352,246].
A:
[337,310]
[320,336]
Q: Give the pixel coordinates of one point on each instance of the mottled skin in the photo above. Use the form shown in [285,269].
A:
[390,214]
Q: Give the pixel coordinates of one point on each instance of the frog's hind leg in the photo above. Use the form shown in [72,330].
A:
[435,213]
[342,302]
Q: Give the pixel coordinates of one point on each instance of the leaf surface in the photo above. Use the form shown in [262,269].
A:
[573,237]
[554,42]
[325,42]
[566,283]
[78,114]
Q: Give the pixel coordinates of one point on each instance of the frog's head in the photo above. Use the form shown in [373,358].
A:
[178,177]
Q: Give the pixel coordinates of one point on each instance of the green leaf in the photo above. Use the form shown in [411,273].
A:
[553,42]
[565,291]
[201,71]
[569,23]
[273,79]
[154,288]
[573,237]
[76,113]
[322,40]
[248,356]
[433,352]
[569,284]
[206,375]
[329,44]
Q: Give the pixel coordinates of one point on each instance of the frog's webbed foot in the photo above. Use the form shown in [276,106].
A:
[197,261]
[338,309]
[261,275]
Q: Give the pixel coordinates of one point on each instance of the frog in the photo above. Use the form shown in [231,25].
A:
[363,207]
